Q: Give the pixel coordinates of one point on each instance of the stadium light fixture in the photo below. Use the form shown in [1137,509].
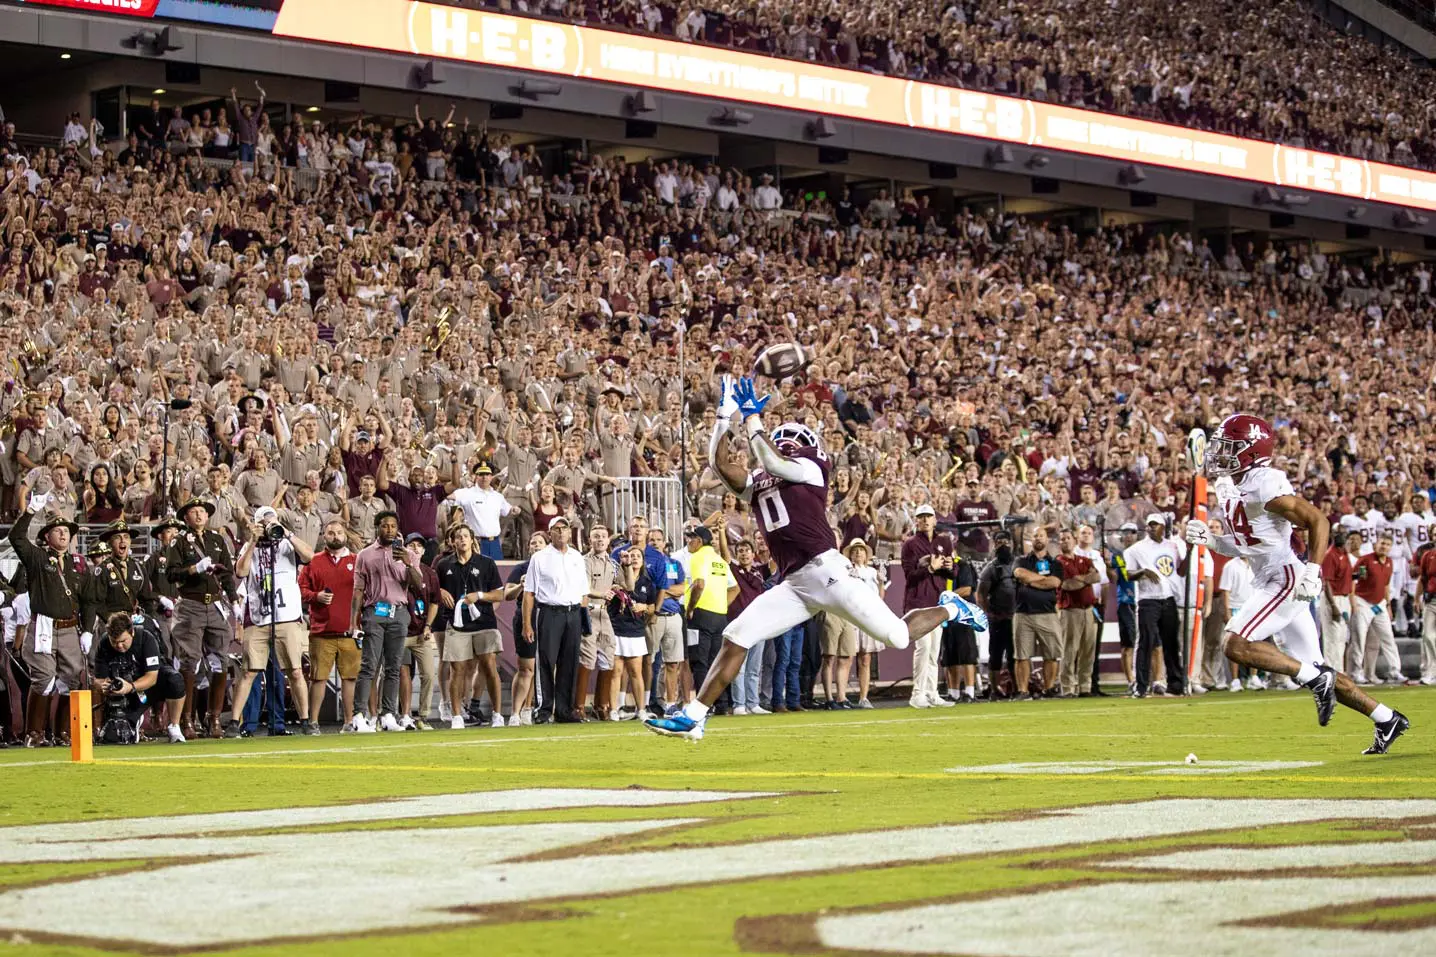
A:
[1406,219]
[1355,212]
[64,56]
[1038,160]
[533,89]
[999,155]
[315,109]
[729,116]
[159,91]
[1131,174]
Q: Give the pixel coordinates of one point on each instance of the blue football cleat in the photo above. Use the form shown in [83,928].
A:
[676,726]
[967,612]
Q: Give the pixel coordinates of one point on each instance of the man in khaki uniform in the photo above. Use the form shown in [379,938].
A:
[599,648]
[363,510]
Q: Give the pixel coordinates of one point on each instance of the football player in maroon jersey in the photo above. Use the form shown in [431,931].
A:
[789,493]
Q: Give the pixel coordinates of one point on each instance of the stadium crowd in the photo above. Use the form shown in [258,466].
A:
[1228,66]
[445,319]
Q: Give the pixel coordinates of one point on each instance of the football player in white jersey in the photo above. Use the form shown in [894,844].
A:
[1414,524]
[1258,510]
[1389,523]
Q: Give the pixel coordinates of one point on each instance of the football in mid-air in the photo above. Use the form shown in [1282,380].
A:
[781,360]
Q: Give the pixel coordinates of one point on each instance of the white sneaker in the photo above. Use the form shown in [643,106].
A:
[1255,684]
[616,714]
[740,711]
[1158,688]
[446,713]
[1429,681]
[406,723]
[758,709]
[496,720]
[176,736]
[1198,689]
[1287,684]
[456,723]
[1236,685]
[865,705]
[937,701]
[514,721]
[361,725]
[919,703]
[1359,677]
[526,717]
[387,723]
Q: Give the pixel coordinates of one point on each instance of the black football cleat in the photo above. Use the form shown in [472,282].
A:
[1323,689]
[1387,732]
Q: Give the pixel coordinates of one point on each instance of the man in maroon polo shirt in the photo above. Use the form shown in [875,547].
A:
[926,565]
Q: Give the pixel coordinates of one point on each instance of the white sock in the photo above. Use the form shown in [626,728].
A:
[696,710]
[1381,714]
[1306,672]
[953,611]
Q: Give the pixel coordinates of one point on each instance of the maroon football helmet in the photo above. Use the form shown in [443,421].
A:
[1240,443]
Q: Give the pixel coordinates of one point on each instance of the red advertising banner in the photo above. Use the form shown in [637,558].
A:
[498,39]
[129,8]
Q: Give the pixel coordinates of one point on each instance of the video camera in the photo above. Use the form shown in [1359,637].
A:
[272,534]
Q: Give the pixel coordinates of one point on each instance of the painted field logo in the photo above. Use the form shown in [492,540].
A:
[219,857]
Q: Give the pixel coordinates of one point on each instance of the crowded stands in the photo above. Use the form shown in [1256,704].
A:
[375,318]
[1240,68]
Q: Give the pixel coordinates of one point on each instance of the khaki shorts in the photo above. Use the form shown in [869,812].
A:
[326,650]
[291,644]
[468,645]
[840,636]
[599,647]
[63,662]
[200,629]
[665,634]
[1036,636]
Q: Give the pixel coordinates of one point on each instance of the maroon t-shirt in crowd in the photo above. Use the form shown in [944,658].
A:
[793,516]
[358,464]
[417,508]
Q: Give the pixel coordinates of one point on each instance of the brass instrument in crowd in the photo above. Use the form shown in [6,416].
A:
[441,330]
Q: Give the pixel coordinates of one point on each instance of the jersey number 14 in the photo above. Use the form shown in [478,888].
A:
[1235,513]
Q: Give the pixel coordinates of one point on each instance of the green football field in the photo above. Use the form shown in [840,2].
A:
[1062,827]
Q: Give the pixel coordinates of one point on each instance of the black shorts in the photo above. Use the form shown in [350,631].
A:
[1127,625]
[525,649]
[959,645]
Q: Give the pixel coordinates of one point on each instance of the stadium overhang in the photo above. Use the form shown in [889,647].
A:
[588,82]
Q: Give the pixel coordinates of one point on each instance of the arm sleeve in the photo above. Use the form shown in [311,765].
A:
[720,429]
[1223,545]
[797,471]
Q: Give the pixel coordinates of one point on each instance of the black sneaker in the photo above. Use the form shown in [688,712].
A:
[1323,689]
[235,730]
[1387,732]
[280,732]
[309,727]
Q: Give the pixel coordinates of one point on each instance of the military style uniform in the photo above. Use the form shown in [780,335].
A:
[119,584]
[599,648]
[59,602]
[202,615]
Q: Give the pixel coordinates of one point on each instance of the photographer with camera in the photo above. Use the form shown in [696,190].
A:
[268,565]
[129,673]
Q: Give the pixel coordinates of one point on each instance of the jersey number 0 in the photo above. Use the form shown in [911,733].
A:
[775,513]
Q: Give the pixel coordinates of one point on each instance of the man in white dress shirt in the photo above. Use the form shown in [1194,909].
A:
[554,591]
[483,506]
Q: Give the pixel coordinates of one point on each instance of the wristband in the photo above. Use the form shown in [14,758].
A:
[754,426]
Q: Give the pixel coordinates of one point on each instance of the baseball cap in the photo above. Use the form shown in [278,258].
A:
[1128,527]
[560,520]
[264,512]
[483,470]
[923,510]
[702,533]
[1156,518]
[413,537]
[363,436]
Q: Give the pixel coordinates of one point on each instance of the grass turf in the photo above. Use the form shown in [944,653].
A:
[830,773]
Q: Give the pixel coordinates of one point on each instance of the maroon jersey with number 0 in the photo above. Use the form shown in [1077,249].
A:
[793,516]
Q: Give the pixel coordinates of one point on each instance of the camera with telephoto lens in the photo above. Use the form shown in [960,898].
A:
[272,535]
[117,728]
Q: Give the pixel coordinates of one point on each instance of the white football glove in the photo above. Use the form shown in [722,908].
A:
[86,640]
[167,604]
[1198,533]
[729,403]
[203,565]
[38,501]
[1308,587]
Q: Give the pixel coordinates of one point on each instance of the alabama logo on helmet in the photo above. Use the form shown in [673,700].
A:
[1240,443]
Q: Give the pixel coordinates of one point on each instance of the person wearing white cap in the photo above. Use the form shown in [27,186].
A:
[927,558]
[268,566]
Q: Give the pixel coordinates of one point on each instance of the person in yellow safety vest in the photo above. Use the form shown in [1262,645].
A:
[712,588]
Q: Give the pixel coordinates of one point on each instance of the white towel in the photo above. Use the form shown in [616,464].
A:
[43,628]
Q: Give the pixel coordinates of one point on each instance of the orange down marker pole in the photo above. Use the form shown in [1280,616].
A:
[82,732]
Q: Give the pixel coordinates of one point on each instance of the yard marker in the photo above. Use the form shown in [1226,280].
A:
[82,735]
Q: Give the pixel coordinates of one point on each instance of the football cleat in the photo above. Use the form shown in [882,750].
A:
[967,612]
[1323,689]
[1387,732]
[676,726]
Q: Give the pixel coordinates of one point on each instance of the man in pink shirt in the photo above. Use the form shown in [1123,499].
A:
[383,573]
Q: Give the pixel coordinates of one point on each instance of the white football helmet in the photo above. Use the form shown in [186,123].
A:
[792,435]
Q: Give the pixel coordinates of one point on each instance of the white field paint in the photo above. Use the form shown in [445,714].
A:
[1142,767]
[1248,859]
[297,885]
[1171,918]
